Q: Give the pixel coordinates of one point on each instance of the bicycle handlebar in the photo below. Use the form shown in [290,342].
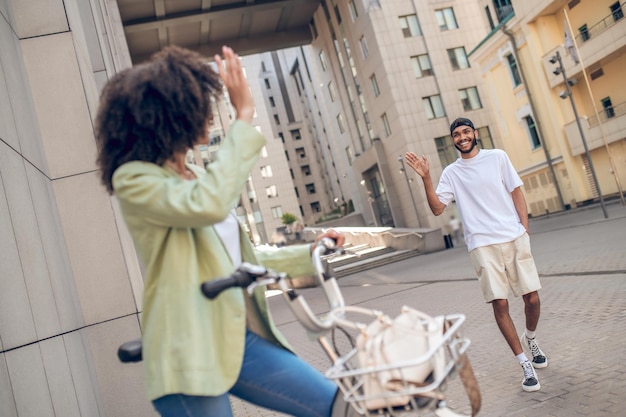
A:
[250,276]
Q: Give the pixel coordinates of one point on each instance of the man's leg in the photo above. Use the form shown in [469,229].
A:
[532,309]
[505,324]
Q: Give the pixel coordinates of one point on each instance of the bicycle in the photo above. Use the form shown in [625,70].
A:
[388,387]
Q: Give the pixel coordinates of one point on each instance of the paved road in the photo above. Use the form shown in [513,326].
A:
[581,257]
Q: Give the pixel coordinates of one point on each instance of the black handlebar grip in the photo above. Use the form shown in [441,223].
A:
[212,289]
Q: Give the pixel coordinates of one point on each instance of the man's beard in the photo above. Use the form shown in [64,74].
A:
[474,143]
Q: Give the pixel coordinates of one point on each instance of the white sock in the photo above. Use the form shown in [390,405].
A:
[529,334]
[521,358]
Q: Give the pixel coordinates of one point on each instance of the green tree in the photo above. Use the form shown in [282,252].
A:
[288,219]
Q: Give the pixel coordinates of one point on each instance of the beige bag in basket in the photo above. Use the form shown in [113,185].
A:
[403,339]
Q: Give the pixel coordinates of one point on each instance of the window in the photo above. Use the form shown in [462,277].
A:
[310,188]
[364,50]
[272,102]
[353,12]
[517,80]
[446,150]
[503,9]
[306,170]
[323,62]
[301,153]
[340,123]
[267,83]
[331,91]
[489,18]
[295,134]
[410,26]
[277,212]
[386,125]
[286,154]
[315,206]
[609,110]
[584,33]
[445,19]
[458,58]
[271,191]
[266,171]
[470,99]
[421,66]
[375,85]
[484,138]
[535,142]
[433,107]
[616,11]
[276,119]
[281,136]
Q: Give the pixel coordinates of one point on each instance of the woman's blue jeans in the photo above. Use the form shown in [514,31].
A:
[270,377]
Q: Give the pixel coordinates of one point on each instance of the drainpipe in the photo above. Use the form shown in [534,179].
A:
[534,113]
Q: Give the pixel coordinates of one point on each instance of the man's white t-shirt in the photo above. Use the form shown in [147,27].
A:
[482,188]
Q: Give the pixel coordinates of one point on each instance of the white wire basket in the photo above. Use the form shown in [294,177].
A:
[409,382]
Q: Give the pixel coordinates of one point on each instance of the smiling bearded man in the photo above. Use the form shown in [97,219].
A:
[493,211]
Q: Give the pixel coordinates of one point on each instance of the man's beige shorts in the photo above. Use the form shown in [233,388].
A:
[505,266]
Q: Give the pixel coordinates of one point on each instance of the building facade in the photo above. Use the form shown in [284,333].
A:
[391,77]
[535,107]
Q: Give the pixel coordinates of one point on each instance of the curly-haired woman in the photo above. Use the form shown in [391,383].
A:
[180,216]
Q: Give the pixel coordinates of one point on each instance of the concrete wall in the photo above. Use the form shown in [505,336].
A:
[68,294]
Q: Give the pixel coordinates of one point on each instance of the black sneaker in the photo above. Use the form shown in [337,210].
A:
[531,348]
[530,382]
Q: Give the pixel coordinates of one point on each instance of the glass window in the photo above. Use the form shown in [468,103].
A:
[446,150]
[277,212]
[433,107]
[301,153]
[607,105]
[306,170]
[446,19]
[266,171]
[323,62]
[272,102]
[267,83]
[484,138]
[310,188]
[340,123]
[353,12]
[514,71]
[386,125]
[584,33]
[421,66]
[331,91]
[535,142]
[616,11]
[364,49]
[458,58]
[375,85]
[410,26]
[271,191]
[470,99]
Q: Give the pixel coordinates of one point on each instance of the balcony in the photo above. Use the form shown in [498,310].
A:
[603,39]
[613,121]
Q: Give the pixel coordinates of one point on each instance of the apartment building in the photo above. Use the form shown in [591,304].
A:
[564,161]
[390,77]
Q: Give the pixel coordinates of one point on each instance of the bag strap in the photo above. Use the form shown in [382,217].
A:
[470,383]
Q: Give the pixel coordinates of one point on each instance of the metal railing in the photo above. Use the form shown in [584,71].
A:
[601,26]
[608,113]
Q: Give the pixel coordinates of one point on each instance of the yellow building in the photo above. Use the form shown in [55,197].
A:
[536,116]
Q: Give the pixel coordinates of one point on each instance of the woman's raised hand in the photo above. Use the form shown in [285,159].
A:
[236,83]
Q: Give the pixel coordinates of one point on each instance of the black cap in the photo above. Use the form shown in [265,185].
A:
[461,121]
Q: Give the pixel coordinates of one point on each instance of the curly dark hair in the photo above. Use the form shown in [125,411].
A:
[150,111]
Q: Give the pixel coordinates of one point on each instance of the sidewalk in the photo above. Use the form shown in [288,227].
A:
[581,258]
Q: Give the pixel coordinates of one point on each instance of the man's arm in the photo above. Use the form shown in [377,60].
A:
[422,168]
[520,206]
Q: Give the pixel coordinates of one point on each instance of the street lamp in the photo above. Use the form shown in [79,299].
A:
[560,70]
[408,184]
